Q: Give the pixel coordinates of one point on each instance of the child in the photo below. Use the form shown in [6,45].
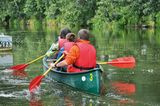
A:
[71,38]
[60,43]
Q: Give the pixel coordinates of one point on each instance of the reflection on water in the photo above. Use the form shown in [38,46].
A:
[6,59]
[19,73]
[35,103]
[123,87]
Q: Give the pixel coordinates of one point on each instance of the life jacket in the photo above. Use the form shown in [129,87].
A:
[86,59]
[61,42]
[68,45]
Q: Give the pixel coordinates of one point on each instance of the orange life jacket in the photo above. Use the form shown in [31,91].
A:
[86,59]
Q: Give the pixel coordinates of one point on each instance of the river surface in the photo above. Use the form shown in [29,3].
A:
[139,86]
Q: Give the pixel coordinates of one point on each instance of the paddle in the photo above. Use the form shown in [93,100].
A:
[37,80]
[122,62]
[21,67]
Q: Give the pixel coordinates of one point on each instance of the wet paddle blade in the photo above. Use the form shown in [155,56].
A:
[122,62]
[128,65]
[34,84]
[19,67]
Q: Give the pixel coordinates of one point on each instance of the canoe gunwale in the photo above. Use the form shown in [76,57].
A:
[60,72]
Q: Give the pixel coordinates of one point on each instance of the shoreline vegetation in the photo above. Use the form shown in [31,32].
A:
[81,13]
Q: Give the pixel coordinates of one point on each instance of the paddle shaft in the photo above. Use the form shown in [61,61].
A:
[54,64]
[36,59]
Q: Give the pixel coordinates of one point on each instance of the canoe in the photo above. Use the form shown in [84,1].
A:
[88,81]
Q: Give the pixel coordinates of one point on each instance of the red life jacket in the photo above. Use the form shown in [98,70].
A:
[86,59]
[68,46]
[61,42]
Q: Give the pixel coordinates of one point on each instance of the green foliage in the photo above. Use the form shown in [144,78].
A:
[53,8]
[73,12]
[126,12]
[35,8]
[12,8]
[83,12]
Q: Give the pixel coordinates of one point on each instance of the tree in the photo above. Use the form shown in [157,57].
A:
[35,8]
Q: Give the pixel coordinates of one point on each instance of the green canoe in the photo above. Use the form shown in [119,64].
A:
[89,81]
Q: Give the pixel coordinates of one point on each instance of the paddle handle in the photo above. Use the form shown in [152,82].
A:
[54,64]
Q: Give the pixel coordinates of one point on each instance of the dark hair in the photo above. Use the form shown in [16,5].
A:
[84,34]
[71,37]
[64,32]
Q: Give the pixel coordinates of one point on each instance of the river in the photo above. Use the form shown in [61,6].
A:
[123,87]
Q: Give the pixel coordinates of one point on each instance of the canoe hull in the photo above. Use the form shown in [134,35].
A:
[88,81]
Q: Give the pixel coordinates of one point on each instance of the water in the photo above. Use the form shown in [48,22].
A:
[123,87]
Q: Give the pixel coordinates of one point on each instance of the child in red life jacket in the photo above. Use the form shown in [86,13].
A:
[71,38]
[62,37]
[60,42]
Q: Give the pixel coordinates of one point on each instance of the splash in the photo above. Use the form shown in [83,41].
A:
[34,98]
[35,90]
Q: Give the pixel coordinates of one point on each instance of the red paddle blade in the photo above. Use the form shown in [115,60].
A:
[19,67]
[34,84]
[131,65]
[123,62]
